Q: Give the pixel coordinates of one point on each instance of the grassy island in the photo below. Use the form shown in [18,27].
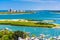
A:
[26,23]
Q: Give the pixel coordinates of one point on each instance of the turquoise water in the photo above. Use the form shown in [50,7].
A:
[33,30]
[41,15]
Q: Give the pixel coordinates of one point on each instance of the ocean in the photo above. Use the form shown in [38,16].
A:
[39,15]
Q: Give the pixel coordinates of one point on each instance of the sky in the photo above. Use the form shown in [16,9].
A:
[30,4]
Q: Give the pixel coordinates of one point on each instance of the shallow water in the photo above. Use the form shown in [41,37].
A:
[41,15]
[33,30]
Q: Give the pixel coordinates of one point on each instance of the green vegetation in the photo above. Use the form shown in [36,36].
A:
[10,35]
[29,23]
[13,35]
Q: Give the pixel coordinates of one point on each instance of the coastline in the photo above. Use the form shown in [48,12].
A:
[16,12]
[26,23]
[57,26]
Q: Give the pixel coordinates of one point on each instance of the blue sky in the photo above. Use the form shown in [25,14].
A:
[30,4]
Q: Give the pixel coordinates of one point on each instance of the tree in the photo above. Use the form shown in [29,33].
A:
[5,37]
[17,34]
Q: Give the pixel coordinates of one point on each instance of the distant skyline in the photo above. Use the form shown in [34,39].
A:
[30,4]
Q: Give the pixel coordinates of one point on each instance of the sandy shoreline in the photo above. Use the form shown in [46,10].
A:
[57,26]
